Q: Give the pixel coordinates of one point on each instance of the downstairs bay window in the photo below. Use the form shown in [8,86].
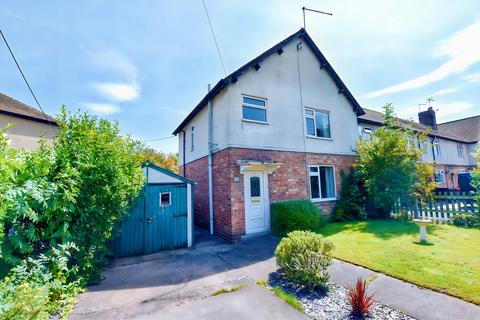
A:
[322,183]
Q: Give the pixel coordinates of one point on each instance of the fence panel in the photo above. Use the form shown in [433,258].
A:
[441,208]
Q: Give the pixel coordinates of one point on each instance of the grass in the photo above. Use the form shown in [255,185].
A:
[449,262]
[288,298]
[227,290]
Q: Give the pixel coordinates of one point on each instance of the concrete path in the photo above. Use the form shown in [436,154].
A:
[178,285]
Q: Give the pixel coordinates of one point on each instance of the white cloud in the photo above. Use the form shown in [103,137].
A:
[118,91]
[444,110]
[114,61]
[103,109]
[463,51]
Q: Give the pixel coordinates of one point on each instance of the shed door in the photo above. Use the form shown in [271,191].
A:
[157,221]
[165,217]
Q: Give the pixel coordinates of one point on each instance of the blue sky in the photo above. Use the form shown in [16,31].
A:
[148,63]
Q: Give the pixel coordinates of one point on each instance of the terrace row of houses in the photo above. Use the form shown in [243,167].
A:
[281,127]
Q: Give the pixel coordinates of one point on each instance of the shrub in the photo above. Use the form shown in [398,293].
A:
[352,202]
[466,220]
[359,299]
[304,257]
[294,215]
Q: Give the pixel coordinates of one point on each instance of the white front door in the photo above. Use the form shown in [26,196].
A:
[257,213]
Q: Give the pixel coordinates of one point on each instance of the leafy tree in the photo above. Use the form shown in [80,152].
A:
[144,154]
[476,181]
[74,191]
[390,166]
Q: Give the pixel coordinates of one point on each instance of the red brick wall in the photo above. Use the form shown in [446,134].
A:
[449,169]
[289,182]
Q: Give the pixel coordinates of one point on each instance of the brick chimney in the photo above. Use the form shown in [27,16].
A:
[428,118]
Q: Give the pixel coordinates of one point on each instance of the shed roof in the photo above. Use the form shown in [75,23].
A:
[232,78]
[15,108]
[167,172]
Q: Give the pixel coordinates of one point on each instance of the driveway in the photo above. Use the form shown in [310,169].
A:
[178,284]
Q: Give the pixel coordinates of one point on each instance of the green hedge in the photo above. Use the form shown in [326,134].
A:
[294,215]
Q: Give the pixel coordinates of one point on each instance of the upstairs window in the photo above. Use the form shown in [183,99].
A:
[317,123]
[192,137]
[322,182]
[366,133]
[436,148]
[460,151]
[254,109]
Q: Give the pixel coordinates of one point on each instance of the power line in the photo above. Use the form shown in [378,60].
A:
[164,138]
[23,75]
[214,38]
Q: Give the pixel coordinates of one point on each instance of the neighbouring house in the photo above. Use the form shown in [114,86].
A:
[27,124]
[451,146]
[281,127]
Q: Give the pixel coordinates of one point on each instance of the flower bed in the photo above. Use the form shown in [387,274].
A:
[332,303]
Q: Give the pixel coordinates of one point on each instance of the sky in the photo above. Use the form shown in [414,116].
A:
[148,63]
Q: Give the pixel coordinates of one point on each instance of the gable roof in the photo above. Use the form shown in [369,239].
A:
[167,172]
[15,108]
[467,128]
[232,78]
[376,117]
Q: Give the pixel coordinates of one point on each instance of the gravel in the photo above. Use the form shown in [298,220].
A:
[332,303]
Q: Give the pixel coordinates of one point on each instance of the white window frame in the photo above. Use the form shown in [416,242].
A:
[315,123]
[192,137]
[251,105]
[437,149]
[317,174]
[364,132]
[440,173]
[160,199]
[460,151]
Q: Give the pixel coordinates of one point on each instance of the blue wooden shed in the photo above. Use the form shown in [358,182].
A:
[161,218]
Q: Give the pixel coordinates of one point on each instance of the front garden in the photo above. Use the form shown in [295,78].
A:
[449,262]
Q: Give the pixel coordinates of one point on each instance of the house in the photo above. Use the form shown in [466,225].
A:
[280,127]
[28,124]
[451,146]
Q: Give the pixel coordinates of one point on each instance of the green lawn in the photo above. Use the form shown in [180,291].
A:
[449,263]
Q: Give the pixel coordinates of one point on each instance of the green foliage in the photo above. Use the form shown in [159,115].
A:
[71,194]
[295,215]
[37,288]
[144,154]
[390,166]
[466,220]
[476,180]
[304,257]
[353,199]
[288,298]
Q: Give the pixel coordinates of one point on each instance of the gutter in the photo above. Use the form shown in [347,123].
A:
[210,162]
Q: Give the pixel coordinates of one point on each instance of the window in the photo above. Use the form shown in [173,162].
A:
[254,187]
[192,137]
[322,182]
[165,199]
[254,109]
[366,132]
[460,151]
[436,148]
[439,176]
[317,123]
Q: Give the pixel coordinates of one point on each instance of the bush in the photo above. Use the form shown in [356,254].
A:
[294,215]
[304,257]
[37,288]
[351,205]
[466,220]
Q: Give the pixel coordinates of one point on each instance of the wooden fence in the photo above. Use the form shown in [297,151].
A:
[441,208]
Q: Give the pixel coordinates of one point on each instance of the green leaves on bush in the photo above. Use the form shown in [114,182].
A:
[466,220]
[295,215]
[304,257]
